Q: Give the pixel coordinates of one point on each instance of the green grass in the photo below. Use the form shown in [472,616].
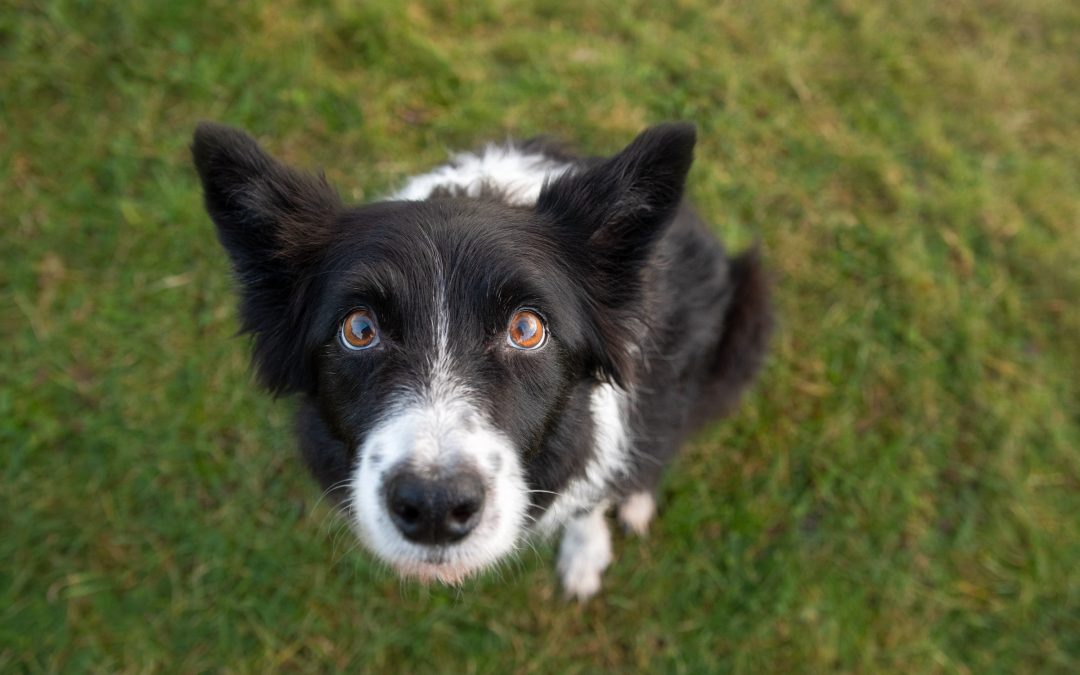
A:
[901,493]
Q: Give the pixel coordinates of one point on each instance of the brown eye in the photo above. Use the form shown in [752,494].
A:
[526,330]
[359,330]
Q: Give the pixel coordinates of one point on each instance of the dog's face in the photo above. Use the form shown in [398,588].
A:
[447,337]
[445,343]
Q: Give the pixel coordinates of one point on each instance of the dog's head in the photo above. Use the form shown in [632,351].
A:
[444,342]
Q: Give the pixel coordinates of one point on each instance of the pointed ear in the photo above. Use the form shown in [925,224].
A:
[260,206]
[617,207]
[273,221]
[607,217]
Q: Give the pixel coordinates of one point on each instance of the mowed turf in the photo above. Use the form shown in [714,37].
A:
[901,492]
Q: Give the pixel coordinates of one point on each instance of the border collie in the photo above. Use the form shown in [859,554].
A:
[510,344]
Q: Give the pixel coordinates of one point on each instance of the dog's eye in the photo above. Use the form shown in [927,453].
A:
[359,330]
[526,330]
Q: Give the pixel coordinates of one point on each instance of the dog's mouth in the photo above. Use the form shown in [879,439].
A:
[437,568]
[451,565]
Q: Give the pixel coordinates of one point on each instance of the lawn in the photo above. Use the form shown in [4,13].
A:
[901,492]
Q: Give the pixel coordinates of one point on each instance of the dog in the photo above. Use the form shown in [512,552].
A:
[511,344]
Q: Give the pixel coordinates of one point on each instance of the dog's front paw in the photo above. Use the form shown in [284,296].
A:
[636,512]
[584,555]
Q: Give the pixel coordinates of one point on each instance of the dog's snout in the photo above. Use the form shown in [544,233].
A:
[435,510]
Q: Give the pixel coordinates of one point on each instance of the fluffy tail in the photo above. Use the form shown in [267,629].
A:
[747,325]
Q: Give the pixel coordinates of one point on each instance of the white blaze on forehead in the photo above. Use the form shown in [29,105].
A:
[442,389]
[515,174]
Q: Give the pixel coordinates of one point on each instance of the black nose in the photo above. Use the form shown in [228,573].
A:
[435,510]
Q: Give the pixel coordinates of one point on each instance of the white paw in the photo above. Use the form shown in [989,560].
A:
[584,554]
[636,512]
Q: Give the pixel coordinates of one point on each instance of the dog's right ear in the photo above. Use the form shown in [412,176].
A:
[262,208]
[273,221]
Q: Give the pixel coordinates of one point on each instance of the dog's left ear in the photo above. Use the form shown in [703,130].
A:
[608,216]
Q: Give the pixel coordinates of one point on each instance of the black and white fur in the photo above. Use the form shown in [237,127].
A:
[652,330]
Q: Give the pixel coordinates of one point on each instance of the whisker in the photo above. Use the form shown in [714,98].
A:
[336,486]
